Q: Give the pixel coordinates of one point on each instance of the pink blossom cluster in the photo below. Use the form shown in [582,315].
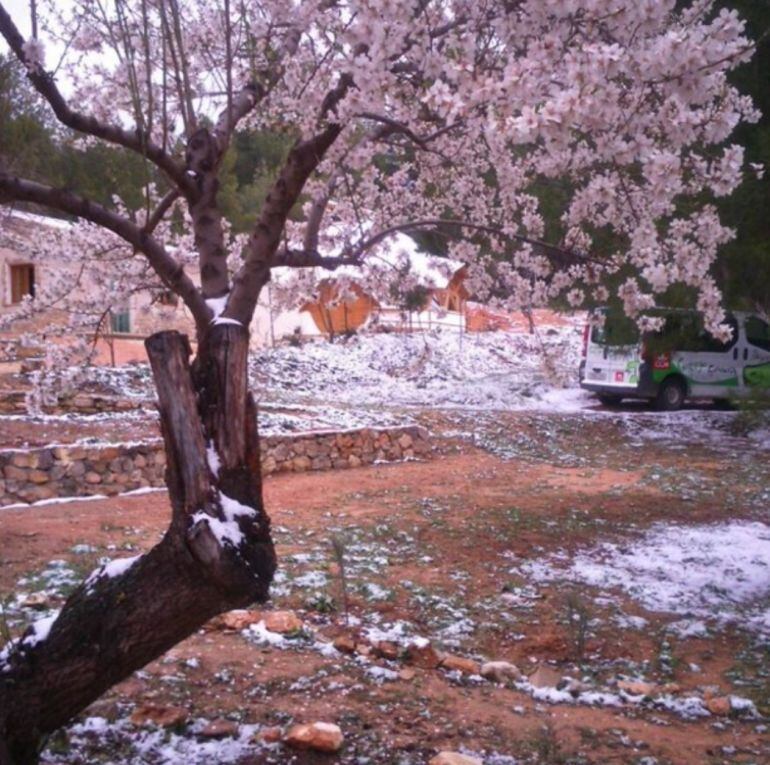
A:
[477,113]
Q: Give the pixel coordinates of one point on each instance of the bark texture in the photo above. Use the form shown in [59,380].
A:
[118,621]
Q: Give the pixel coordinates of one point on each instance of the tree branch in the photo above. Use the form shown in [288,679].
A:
[170,271]
[310,259]
[552,251]
[160,211]
[136,140]
[391,126]
[303,158]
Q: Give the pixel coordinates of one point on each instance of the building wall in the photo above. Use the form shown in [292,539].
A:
[148,316]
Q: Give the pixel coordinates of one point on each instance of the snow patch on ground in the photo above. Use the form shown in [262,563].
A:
[719,572]
[158,745]
[442,368]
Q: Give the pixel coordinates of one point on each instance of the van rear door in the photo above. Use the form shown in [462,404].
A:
[613,354]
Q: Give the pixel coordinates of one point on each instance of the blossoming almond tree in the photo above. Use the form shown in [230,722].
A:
[445,115]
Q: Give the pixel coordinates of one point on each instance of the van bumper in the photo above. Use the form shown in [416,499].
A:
[645,388]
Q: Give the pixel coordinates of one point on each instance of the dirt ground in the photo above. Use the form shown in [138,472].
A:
[430,545]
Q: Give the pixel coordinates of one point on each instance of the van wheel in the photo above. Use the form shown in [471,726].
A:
[609,399]
[671,395]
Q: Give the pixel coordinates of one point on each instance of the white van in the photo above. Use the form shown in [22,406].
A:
[681,362]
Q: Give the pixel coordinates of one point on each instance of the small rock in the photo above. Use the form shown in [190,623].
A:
[37,600]
[282,621]
[422,654]
[500,671]
[271,735]
[238,620]
[319,736]
[454,758]
[459,663]
[576,687]
[545,677]
[219,729]
[345,644]
[636,687]
[719,705]
[407,673]
[387,650]
[165,717]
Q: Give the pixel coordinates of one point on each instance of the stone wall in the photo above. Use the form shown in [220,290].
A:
[14,402]
[78,471]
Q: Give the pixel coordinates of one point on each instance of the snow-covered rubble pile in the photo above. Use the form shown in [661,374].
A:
[718,572]
[497,369]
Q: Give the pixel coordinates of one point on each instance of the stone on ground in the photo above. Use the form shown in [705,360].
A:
[422,654]
[719,705]
[545,677]
[163,716]
[454,758]
[459,663]
[282,621]
[637,687]
[500,671]
[318,736]
[219,729]
[238,620]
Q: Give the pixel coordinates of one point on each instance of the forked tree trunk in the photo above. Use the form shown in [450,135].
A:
[216,554]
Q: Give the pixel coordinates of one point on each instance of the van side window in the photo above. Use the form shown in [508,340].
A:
[711,344]
[758,332]
[685,332]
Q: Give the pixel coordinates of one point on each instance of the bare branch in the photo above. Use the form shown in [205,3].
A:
[303,159]
[310,259]
[160,211]
[136,140]
[566,256]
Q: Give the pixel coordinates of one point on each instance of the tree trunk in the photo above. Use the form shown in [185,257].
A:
[217,553]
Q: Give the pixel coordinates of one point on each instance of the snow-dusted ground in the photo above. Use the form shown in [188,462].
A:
[708,574]
[500,370]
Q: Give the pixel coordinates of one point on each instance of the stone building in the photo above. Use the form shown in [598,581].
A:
[22,275]
[146,312]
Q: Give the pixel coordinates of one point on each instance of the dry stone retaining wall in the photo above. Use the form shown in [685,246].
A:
[74,471]
[14,402]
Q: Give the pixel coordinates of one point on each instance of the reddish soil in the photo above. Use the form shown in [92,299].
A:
[461,511]
[27,433]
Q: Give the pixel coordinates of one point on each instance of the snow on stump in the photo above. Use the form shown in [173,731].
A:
[454,758]
[318,736]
